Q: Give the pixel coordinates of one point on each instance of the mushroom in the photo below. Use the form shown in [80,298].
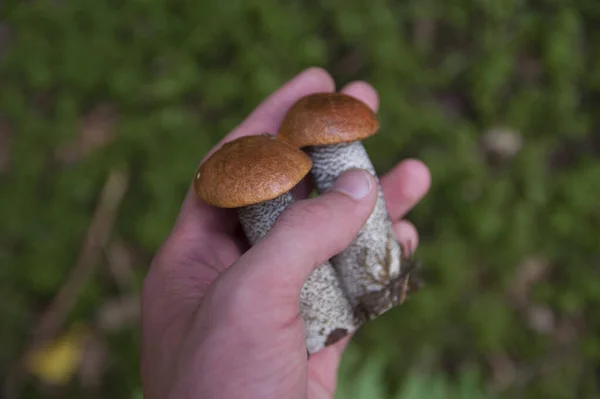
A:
[256,174]
[330,127]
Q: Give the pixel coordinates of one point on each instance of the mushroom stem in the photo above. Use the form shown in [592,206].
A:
[370,268]
[324,307]
[258,219]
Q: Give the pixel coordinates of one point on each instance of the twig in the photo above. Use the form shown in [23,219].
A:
[96,238]
[118,260]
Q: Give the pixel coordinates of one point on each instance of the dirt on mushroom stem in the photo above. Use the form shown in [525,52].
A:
[370,267]
[324,306]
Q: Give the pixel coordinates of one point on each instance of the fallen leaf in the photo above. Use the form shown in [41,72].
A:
[119,313]
[502,142]
[57,362]
[541,319]
[529,272]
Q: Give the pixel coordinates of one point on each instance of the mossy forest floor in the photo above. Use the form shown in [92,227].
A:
[107,106]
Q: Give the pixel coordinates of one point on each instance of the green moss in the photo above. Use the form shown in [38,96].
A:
[182,74]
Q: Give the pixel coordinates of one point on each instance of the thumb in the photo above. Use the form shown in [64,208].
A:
[311,231]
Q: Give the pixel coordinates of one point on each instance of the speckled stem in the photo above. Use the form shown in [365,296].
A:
[369,268]
[327,313]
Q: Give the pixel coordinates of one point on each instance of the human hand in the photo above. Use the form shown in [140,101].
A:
[221,320]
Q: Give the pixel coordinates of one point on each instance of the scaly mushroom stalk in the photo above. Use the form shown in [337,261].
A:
[371,266]
[255,174]
[329,126]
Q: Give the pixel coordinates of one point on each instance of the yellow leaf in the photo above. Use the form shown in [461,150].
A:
[57,362]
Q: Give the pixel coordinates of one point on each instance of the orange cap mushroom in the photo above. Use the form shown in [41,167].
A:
[255,174]
[250,170]
[330,128]
[327,118]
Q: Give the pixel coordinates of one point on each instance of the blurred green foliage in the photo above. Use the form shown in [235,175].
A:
[361,379]
[180,74]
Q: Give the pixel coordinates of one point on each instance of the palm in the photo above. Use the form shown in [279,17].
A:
[206,241]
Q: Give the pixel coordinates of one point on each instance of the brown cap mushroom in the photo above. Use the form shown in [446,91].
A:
[330,127]
[249,170]
[327,118]
[255,174]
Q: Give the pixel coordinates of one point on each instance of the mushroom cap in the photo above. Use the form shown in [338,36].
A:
[249,170]
[327,118]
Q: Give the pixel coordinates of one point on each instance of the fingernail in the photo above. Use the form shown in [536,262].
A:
[354,183]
